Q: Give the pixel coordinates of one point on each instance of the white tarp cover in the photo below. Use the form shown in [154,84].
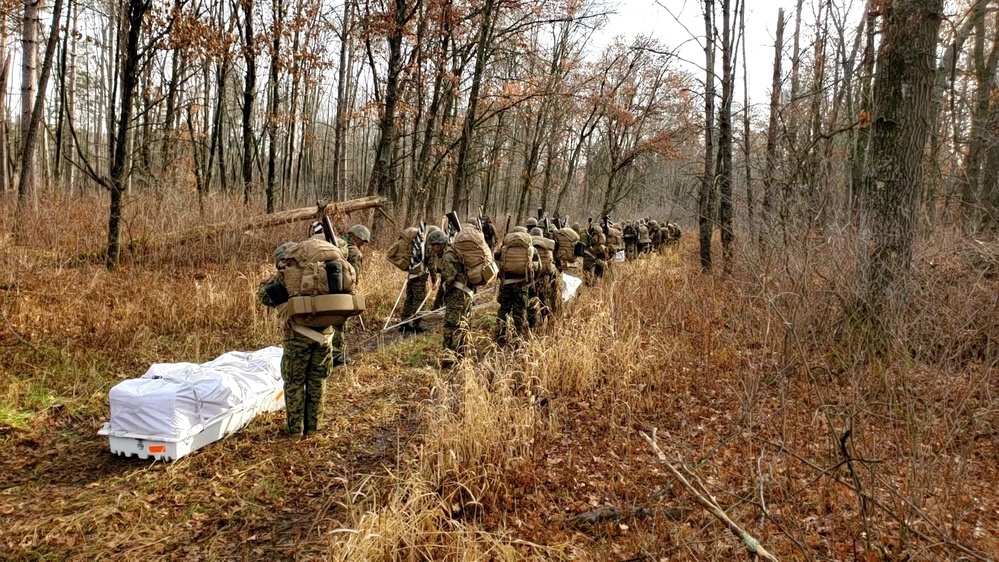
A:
[570,285]
[174,400]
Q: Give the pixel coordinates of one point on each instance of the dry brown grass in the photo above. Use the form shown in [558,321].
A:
[749,380]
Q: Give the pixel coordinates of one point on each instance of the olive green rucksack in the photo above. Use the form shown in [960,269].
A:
[316,267]
[516,255]
[476,256]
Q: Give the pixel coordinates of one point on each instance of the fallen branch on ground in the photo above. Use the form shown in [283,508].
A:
[752,545]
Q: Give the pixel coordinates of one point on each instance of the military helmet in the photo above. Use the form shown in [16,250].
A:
[361,232]
[281,254]
[653,224]
[436,237]
[520,229]
[532,222]
[575,226]
[536,232]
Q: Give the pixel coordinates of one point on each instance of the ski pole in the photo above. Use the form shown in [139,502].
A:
[397,299]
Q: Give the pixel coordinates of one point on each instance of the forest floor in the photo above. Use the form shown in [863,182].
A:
[530,452]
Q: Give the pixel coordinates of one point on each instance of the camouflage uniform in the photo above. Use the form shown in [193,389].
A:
[548,286]
[514,298]
[513,301]
[416,291]
[458,303]
[630,241]
[337,351]
[595,256]
[305,366]
[435,265]
[489,232]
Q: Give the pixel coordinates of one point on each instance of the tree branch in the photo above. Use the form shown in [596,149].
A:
[751,544]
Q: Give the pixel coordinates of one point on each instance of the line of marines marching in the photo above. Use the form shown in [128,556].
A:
[458,260]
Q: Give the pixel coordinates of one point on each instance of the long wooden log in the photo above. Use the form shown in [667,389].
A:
[336,211]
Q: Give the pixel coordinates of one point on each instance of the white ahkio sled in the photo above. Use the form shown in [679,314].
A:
[175,409]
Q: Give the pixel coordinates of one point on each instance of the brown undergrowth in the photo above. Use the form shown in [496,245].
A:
[529,452]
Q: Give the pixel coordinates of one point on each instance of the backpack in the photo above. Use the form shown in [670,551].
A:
[316,267]
[615,237]
[545,251]
[516,255]
[476,256]
[400,253]
[643,234]
[566,240]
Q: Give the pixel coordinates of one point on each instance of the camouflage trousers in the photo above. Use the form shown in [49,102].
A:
[593,270]
[513,302]
[416,291]
[630,249]
[459,308]
[546,300]
[304,368]
[338,351]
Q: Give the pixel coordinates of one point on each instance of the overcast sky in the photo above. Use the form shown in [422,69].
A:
[653,18]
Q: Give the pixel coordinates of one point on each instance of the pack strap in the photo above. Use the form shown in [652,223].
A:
[313,335]
[468,290]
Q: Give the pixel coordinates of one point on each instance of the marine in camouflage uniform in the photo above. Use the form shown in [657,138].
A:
[630,240]
[357,237]
[514,298]
[458,300]
[489,232]
[305,365]
[595,256]
[416,284]
[546,290]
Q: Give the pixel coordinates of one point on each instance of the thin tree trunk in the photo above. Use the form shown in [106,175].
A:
[725,209]
[60,120]
[706,196]
[747,140]
[136,11]
[250,80]
[481,57]
[4,73]
[29,78]
[273,94]
[27,181]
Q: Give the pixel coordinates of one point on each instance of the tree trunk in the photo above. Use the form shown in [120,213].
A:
[29,77]
[985,71]
[747,140]
[60,120]
[249,84]
[481,57]
[706,196]
[4,73]
[136,11]
[273,94]
[725,140]
[71,103]
[34,124]
[383,175]
[893,166]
